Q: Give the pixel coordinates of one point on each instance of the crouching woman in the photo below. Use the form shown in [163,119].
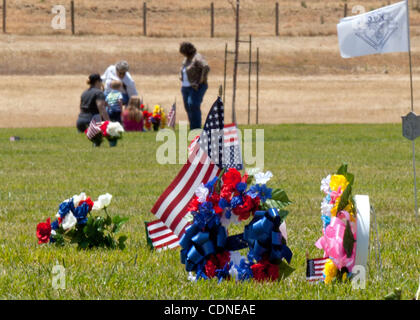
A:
[92,104]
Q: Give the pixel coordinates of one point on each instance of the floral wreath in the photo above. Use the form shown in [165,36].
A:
[339,220]
[208,251]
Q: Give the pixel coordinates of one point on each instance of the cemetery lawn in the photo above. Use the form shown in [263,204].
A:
[50,165]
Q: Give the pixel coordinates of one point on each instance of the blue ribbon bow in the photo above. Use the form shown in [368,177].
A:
[201,239]
[265,239]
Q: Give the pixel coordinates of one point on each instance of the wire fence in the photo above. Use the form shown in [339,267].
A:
[172,18]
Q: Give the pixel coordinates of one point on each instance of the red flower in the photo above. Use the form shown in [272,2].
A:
[272,271]
[223,258]
[244,210]
[193,205]
[265,271]
[226,191]
[258,272]
[231,177]
[215,200]
[210,268]
[103,128]
[88,201]
[43,231]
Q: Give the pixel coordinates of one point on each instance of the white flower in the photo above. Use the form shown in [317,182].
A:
[263,178]
[192,277]
[236,257]
[78,198]
[114,129]
[102,202]
[53,233]
[188,217]
[233,272]
[325,184]
[69,221]
[326,208]
[253,171]
[202,193]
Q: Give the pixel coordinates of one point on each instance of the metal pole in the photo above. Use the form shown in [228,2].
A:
[4,16]
[249,79]
[412,106]
[345,10]
[224,74]
[72,17]
[235,65]
[212,20]
[258,83]
[145,18]
[277,18]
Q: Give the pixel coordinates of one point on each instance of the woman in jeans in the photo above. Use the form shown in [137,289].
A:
[194,73]
[92,104]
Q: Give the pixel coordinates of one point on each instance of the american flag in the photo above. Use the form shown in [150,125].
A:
[203,164]
[172,116]
[93,130]
[314,269]
[160,236]
[232,156]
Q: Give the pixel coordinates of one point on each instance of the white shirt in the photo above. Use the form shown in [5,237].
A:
[111,74]
[185,81]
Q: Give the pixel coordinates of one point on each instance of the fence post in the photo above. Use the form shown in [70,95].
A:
[4,16]
[145,18]
[224,74]
[72,17]
[345,10]
[212,20]
[277,18]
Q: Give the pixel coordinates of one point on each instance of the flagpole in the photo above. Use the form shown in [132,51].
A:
[412,107]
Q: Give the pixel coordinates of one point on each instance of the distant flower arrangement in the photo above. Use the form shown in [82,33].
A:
[209,252]
[112,131]
[74,223]
[339,225]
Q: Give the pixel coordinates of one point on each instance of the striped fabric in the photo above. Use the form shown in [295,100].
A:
[93,130]
[172,116]
[160,236]
[314,269]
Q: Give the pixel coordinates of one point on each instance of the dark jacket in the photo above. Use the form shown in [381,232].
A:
[197,70]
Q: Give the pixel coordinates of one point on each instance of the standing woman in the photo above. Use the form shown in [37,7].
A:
[92,104]
[194,73]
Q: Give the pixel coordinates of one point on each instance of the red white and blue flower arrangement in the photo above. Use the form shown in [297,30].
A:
[110,130]
[75,223]
[209,252]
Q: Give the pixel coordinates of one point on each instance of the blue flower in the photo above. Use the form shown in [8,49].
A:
[244,270]
[261,191]
[54,225]
[210,185]
[236,201]
[223,203]
[326,220]
[241,186]
[81,213]
[64,207]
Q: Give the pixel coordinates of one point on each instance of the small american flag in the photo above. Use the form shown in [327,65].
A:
[314,269]
[232,156]
[203,164]
[172,116]
[160,236]
[93,130]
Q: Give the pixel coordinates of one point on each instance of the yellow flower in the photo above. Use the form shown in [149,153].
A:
[344,278]
[330,271]
[337,181]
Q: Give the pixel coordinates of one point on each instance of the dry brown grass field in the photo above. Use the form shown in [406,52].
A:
[303,77]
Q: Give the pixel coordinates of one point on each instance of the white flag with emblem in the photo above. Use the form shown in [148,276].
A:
[378,31]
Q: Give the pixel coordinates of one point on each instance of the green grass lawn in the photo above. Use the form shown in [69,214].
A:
[49,165]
